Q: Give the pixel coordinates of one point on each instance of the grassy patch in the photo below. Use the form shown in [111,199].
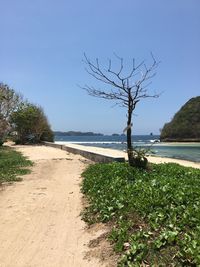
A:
[12,165]
[155,214]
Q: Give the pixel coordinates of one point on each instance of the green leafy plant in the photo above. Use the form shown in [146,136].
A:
[12,165]
[155,213]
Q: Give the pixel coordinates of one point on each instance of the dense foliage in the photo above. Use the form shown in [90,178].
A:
[21,119]
[185,125]
[155,214]
[12,165]
[48,134]
[31,124]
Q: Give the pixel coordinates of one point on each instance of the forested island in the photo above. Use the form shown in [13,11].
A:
[185,125]
[76,133]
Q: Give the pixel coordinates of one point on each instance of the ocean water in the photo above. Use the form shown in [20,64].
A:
[186,151]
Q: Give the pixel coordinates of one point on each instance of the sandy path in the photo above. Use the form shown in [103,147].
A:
[39,217]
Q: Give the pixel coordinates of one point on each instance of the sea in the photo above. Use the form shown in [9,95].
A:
[186,151]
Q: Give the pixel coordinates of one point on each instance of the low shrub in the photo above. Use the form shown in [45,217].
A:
[155,213]
[12,165]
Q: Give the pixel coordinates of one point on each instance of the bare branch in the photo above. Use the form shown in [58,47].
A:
[126,90]
[106,95]
[97,73]
[121,64]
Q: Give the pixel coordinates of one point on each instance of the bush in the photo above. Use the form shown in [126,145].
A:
[31,124]
[47,135]
[12,165]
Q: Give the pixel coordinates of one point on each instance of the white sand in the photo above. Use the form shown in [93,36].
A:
[118,153]
[179,161]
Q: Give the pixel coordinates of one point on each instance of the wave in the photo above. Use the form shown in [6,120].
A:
[112,144]
[89,142]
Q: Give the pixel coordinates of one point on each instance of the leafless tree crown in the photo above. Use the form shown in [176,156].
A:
[128,89]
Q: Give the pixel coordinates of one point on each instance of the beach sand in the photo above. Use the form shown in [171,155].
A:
[40,216]
[185,163]
[118,153]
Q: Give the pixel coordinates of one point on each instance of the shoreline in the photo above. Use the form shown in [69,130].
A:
[120,142]
[186,163]
[119,153]
[177,144]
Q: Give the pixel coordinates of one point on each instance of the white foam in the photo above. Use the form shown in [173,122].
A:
[88,142]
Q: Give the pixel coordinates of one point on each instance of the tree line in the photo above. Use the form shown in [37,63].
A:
[25,122]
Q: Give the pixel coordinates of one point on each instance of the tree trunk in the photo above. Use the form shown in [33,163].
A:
[129,140]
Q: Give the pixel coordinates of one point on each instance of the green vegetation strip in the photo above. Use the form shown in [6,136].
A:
[12,165]
[155,214]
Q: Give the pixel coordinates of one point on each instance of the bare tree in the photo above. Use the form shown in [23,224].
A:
[126,89]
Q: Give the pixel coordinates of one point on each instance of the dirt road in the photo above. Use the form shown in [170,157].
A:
[40,224]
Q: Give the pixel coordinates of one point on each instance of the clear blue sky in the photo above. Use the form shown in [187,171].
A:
[42,44]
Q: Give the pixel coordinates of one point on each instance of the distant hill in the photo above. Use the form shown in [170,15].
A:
[185,125]
[75,133]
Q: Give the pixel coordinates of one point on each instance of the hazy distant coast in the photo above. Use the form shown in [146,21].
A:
[76,133]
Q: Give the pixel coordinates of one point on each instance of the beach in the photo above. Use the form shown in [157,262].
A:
[178,150]
[118,153]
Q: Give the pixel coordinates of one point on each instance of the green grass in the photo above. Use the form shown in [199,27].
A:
[12,165]
[155,215]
